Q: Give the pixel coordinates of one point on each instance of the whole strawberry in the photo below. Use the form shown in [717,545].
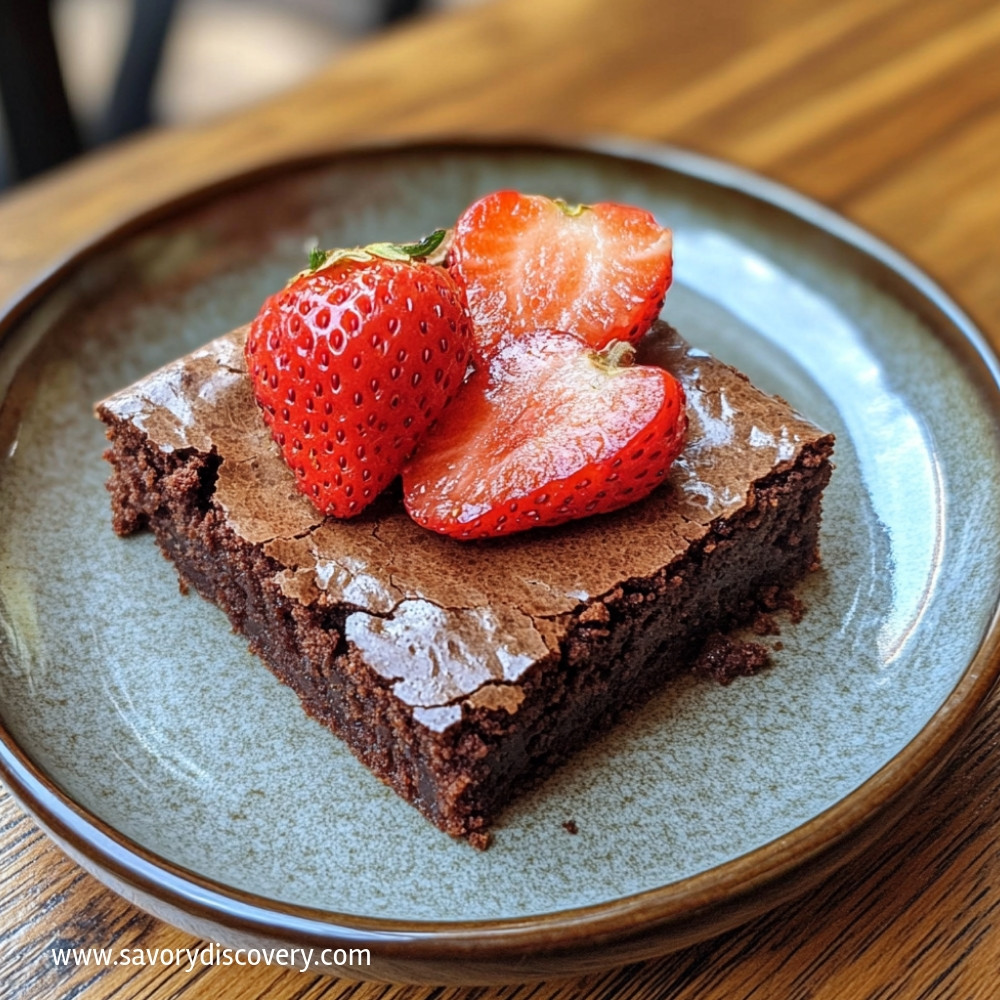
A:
[551,430]
[526,263]
[353,361]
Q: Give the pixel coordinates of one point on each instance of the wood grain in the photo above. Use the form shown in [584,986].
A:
[887,110]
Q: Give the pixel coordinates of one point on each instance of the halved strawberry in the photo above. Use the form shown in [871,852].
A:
[527,263]
[351,363]
[551,430]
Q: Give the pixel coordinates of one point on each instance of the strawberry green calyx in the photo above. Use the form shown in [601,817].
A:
[422,250]
[320,259]
[316,258]
[618,354]
[387,251]
[572,211]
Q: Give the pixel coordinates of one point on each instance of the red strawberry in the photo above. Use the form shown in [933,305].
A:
[352,362]
[527,262]
[551,430]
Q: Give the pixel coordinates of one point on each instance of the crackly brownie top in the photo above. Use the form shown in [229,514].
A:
[450,621]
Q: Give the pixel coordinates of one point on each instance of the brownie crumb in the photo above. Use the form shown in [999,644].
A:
[724,659]
[765,624]
[778,646]
[782,599]
[479,840]
[570,826]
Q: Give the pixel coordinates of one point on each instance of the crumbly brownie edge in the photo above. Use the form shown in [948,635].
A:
[615,649]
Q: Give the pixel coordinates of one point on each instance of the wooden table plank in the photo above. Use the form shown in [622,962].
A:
[763,129]
[944,209]
[889,110]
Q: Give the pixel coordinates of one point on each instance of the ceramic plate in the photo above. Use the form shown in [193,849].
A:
[161,755]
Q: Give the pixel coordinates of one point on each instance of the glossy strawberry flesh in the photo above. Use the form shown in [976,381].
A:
[547,433]
[350,365]
[527,262]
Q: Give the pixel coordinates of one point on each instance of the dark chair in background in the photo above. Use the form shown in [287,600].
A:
[41,131]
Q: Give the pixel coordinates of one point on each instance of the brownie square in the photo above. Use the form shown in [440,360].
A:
[458,672]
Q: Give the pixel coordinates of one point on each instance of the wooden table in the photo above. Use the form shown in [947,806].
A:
[887,110]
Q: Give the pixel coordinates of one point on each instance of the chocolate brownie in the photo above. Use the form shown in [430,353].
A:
[456,670]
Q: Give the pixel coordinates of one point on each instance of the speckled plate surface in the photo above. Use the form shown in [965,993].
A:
[140,732]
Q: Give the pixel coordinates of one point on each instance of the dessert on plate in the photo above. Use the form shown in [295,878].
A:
[557,504]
